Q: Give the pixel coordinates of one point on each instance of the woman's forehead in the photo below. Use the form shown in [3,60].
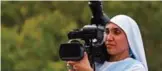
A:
[112,25]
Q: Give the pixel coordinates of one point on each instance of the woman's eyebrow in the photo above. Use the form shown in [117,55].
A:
[115,28]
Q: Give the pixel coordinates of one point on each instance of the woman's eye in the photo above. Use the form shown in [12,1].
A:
[117,31]
[107,31]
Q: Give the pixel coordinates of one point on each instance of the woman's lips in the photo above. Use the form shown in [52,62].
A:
[110,45]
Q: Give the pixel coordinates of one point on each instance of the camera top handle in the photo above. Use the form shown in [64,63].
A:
[98,16]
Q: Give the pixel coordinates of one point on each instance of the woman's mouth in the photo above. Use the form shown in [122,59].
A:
[110,45]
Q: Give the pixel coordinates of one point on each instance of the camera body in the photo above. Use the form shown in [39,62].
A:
[93,44]
[92,35]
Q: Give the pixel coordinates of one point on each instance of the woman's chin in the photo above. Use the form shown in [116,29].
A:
[111,51]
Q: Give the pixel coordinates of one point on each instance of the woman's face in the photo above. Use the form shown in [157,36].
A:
[115,39]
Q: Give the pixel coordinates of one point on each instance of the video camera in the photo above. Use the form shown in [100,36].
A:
[92,35]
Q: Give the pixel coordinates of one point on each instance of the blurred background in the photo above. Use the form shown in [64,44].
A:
[31,31]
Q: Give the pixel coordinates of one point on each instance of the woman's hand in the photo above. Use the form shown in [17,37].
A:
[82,65]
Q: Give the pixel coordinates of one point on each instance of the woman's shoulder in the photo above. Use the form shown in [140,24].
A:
[128,64]
[136,66]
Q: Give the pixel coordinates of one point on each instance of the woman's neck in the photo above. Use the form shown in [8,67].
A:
[119,56]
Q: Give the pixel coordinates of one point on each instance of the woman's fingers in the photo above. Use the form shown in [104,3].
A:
[71,67]
[85,56]
[71,62]
[71,70]
[82,65]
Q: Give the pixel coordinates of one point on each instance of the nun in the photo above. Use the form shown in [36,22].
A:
[124,45]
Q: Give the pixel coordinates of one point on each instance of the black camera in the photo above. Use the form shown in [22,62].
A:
[92,36]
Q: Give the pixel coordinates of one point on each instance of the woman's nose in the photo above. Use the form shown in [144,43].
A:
[109,37]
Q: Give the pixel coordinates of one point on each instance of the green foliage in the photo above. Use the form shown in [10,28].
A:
[31,31]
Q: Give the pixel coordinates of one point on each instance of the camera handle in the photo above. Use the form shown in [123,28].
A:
[89,48]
